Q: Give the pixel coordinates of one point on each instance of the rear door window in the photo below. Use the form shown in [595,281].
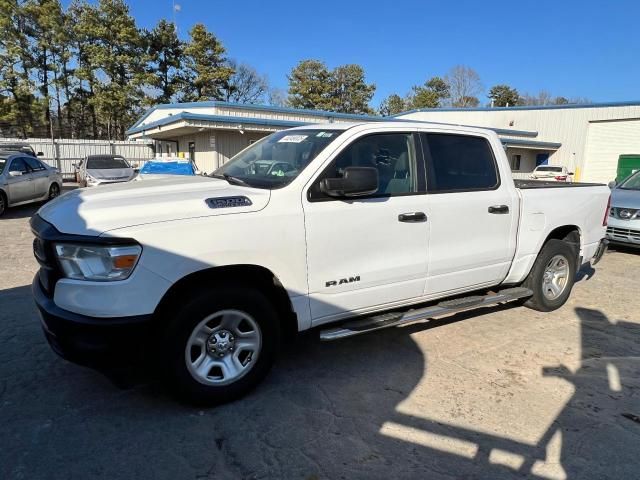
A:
[34,164]
[459,163]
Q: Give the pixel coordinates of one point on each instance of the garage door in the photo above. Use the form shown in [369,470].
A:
[606,141]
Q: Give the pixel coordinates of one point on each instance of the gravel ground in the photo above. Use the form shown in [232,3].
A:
[501,393]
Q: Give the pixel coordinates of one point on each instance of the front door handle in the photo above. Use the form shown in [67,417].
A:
[412,217]
[499,209]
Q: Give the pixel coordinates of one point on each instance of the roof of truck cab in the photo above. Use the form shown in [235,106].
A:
[394,124]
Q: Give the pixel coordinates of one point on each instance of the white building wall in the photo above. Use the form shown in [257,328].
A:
[568,126]
[230,143]
[527,160]
[606,141]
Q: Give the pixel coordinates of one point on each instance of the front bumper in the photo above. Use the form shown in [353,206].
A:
[602,248]
[623,231]
[96,342]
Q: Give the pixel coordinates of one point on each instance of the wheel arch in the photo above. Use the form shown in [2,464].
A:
[571,234]
[238,275]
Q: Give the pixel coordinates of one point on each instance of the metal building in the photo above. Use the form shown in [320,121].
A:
[587,139]
[212,132]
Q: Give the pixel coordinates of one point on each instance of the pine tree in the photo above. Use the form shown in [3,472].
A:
[165,52]
[207,73]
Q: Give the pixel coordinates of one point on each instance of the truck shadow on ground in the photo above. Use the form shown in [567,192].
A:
[328,410]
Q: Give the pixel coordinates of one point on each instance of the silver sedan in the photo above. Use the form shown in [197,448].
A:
[25,179]
[624,216]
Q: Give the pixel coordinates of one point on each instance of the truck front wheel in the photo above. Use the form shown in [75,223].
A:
[221,344]
[552,276]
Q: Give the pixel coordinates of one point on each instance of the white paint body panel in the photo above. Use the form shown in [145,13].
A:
[305,244]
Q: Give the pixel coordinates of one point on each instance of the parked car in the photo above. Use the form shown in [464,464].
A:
[552,173]
[374,225]
[96,170]
[19,147]
[624,216]
[25,179]
[163,168]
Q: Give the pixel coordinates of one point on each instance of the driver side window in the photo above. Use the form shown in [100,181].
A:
[393,155]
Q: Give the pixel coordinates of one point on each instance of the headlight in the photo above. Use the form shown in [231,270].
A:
[97,262]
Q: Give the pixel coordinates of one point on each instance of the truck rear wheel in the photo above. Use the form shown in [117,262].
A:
[552,276]
[221,344]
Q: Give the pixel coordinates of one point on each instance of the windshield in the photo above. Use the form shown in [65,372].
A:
[631,183]
[105,163]
[549,169]
[276,160]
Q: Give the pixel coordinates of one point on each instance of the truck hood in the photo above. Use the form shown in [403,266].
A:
[93,211]
[625,198]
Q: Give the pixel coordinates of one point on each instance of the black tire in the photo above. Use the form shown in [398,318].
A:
[535,280]
[54,191]
[3,203]
[204,303]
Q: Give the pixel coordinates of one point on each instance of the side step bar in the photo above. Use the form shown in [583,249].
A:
[385,320]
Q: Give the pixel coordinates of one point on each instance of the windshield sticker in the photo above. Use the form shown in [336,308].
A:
[325,134]
[292,138]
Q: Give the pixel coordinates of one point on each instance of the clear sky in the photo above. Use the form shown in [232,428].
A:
[573,48]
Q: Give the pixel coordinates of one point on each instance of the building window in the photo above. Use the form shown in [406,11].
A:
[515,162]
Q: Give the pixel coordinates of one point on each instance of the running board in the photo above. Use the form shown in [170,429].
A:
[386,320]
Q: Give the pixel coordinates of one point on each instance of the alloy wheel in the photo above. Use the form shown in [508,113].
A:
[556,277]
[54,191]
[223,347]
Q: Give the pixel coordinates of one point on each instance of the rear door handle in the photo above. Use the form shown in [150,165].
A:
[499,209]
[412,217]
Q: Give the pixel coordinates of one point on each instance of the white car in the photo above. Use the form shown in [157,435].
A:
[206,276]
[552,173]
[96,170]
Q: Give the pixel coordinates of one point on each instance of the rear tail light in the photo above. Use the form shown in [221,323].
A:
[561,178]
[605,220]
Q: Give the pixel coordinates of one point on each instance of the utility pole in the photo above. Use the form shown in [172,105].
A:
[175,8]
[54,147]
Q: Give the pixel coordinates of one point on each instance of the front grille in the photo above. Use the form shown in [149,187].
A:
[623,234]
[38,250]
[49,272]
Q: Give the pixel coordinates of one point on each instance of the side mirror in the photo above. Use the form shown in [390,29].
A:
[356,182]
[39,154]
[612,184]
[15,174]
[136,170]
[570,173]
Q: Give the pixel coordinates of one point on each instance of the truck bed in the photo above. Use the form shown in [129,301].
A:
[527,184]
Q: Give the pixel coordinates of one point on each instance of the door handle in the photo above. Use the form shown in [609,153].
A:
[499,209]
[412,217]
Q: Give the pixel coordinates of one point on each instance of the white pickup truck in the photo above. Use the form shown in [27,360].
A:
[352,227]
